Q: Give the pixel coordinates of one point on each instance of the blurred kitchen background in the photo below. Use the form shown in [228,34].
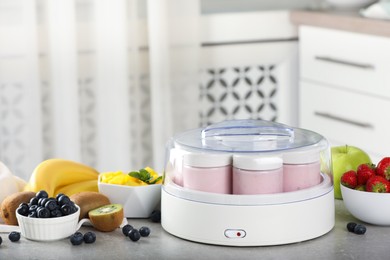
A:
[108,82]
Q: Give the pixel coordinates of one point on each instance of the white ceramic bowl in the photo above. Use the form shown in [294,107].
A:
[137,201]
[349,4]
[369,207]
[48,229]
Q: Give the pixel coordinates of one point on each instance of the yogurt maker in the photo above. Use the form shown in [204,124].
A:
[247,183]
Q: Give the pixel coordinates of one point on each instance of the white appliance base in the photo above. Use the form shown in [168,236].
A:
[236,225]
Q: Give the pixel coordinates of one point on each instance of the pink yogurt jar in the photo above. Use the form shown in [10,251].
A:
[301,169]
[208,172]
[257,174]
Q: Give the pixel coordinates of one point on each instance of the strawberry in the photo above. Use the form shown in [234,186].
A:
[383,168]
[378,184]
[361,187]
[364,172]
[349,179]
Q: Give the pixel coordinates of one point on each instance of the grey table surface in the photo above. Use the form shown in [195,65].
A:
[337,244]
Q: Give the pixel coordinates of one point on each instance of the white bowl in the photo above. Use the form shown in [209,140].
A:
[48,229]
[137,201]
[366,206]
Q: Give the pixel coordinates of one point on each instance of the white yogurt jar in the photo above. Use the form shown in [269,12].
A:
[209,172]
[301,169]
[257,174]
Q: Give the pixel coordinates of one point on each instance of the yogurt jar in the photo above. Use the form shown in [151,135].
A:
[257,174]
[209,172]
[301,169]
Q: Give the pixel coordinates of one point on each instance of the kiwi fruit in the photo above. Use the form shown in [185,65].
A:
[107,218]
[89,200]
[11,203]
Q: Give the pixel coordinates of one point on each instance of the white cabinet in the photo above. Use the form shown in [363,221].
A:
[345,88]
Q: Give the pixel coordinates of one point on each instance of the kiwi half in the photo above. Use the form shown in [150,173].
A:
[107,218]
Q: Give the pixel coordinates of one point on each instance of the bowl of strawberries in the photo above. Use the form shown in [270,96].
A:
[366,192]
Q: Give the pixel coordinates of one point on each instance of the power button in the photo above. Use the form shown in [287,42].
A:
[235,233]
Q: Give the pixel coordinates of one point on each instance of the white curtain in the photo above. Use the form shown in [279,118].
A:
[102,82]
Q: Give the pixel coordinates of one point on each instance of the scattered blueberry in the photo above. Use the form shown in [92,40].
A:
[134,235]
[89,237]
[155,216]
[126,229]
[41,194]
[14,236]
[77,238]
[144,231]
[351,226]
[359,229]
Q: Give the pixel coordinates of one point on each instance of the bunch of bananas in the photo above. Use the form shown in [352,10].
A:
[62,176]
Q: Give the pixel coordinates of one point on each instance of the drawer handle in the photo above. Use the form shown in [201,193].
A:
[344,120]
[344,62]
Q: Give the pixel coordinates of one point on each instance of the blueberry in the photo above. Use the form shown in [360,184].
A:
[34,201]
[56,213]
[65,209]
[89,237]
[32,208]
[73,207]
[23,209]
[42,201]
[144,231]
[359,229]
[77,238]
[59,195]
[42,194]
[43,213]
[51,204]
[134,235]
[1,240]
[155,216]
[351,226]
[63,199]
[32,214]
[126,229]
[14,236]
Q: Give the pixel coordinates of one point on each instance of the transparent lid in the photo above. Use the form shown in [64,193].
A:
[246,136]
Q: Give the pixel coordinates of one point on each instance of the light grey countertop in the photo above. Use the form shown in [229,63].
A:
[347,21]
[337,244]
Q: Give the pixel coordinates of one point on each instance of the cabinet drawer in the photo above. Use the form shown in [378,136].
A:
[345,59]
[346,117]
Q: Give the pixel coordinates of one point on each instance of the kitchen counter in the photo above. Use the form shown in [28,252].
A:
[347,21]
[337,244]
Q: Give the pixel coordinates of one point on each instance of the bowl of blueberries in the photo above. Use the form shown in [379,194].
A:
[47,218]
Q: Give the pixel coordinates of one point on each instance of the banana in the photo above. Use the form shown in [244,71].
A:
[52,174]
[78,187]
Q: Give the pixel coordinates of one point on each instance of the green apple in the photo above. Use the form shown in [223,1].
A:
[345,158]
